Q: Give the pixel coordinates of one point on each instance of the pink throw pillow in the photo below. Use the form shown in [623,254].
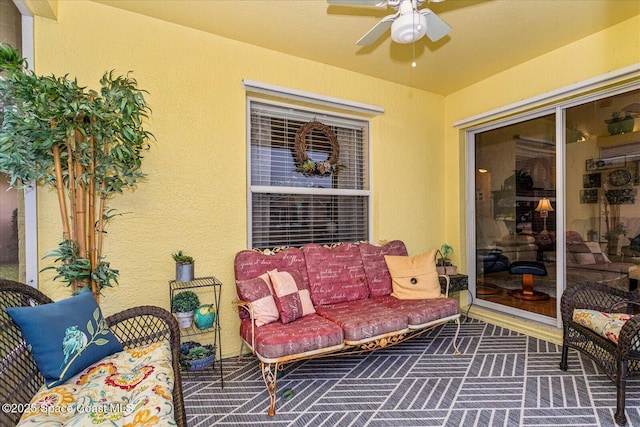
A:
[257,291]
[292,297]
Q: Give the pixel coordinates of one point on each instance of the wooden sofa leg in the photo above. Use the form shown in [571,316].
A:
[621,384]
[270,376]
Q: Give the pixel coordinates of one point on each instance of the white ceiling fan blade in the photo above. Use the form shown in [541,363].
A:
[436,27]
[377,31]
[378,3]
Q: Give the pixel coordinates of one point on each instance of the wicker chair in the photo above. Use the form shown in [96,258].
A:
[617,361]
[19,377]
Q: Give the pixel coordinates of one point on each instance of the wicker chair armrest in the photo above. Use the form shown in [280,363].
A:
[593,296]
[148,324]
[629,340]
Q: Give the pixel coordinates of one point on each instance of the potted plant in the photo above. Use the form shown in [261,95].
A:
[184,305]
[195,356]
[85,144]
[184,266]
[444,265]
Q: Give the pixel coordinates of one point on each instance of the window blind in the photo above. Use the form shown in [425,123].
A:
[289,208]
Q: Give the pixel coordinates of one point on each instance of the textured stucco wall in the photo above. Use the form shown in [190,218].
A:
[195,195]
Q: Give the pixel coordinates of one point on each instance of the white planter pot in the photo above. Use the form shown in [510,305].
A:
[184,272]
[185,320]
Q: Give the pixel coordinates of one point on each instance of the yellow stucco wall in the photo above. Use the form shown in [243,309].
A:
[195,195]
[587,58]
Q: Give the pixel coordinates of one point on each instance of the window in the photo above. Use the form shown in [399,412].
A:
[288,207]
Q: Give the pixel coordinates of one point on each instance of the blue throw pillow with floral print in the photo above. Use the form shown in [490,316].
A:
[65,337]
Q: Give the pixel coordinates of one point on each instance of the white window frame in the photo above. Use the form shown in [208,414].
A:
[252,189]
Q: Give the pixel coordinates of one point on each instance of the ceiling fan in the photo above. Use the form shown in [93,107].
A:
[407,25]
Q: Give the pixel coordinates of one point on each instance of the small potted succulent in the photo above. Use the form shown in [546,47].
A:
[184,266]
[444,265]
[184,305]
[195,356]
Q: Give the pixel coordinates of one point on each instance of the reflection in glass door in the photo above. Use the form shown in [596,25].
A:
[602,143]
[515,180]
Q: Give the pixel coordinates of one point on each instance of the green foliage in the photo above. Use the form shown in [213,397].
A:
[73,268]
[446,250]
[185,301]
[86,142]
[181,258]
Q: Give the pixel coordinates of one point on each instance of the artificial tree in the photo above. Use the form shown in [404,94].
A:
[85,144]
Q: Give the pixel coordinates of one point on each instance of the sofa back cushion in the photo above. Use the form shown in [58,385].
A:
[375,267]
[249,264]
[336,274]
[575,245]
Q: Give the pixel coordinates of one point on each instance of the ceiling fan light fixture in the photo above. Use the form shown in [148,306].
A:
[408,28]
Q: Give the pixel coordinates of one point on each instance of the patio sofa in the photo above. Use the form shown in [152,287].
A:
[139,385]
[353,302]
[587,257]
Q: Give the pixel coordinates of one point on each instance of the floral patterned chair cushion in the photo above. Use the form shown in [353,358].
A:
[130,388]
[607,325]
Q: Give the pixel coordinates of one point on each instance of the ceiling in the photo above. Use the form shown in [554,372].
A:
[488,36]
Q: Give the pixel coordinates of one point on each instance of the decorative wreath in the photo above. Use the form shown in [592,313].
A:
[310,167]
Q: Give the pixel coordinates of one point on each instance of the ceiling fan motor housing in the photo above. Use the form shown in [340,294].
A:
[408,28]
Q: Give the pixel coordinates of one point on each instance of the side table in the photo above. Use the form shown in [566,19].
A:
[214,287]
[457,283]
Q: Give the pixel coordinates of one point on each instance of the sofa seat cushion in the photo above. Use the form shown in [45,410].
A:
[336,274]
[614,267]
[375,266]
[130,388]
[363,319]
[421,312]
[307,334]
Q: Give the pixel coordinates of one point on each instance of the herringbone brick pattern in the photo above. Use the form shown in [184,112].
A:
[503,378]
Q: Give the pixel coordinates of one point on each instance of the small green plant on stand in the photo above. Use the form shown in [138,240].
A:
[184,305]
[184,302]
[446,250]
[194,356]
[184,266]
[181,258]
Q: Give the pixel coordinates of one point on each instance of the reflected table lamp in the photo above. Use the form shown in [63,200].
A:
[544,207]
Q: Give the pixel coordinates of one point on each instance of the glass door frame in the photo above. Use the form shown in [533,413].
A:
[503,118]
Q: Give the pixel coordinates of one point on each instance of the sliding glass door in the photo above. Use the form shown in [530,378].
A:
[556,203]
[515,203]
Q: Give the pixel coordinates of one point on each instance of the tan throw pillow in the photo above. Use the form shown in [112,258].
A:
[414,277]
[258,292]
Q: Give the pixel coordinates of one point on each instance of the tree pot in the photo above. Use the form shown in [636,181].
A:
[184,272]
[185,320]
